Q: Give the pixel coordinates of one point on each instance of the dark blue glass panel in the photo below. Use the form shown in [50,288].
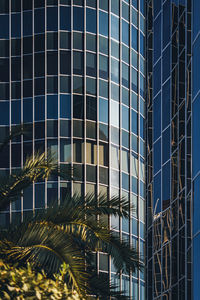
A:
[52,106]
[166,186]
[135,3]
[16,112]
[52,18]
[27,23]
[166,105]
[78,18]
[142,189]
[134,185]
[196,191]
[125,181]
[134,226]
[103,110]
[157,194]
[142,3]
[134,38]
[125,117]
[157,78]
[16,25]
[142,230]
[134,127]
[157,156]
[157,7]
[166,22]
[166,64]
[4,113]
[196,64]
[125,32]
[4,26]
[39,195]
[65,18]
[142,127]
[142,44]
[65,106]
[156,117]
[196,137]
[196,19]
[39,108]
[103,23]
[157,39]
[28,110]
[91,20]
[166,145]
[39,20]
[196,270]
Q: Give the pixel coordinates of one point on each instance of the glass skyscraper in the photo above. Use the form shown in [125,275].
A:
[73,71]
[169,132]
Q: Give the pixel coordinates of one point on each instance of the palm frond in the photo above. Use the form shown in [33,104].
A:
[46,248]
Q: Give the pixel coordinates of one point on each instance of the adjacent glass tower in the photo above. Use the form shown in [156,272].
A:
[169,177]
[74,73]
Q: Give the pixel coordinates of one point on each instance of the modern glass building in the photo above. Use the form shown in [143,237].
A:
[73,71]
[169,129]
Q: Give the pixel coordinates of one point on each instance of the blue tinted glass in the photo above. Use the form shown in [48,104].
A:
[196,272]
[91,20]
[16,112]
[157,156]
[39,108]
[134,38]
[16,25]
[4,113]
[166,22]
[135,3]
[157,39]
[142,127]
[134,143]
[142,6]
[196,19]
[166,104]
[134,82]
[65,18]
[196,137]
[125,32]
[125,75]
[166,145]
[166,63]
[114,27]
[134,100]
[134,121]
[103,110]
[142,85]
[4,26]
[27,23]
[134,226]
[157,7]
[157,194]
[142,44]
[65,106]
[134,185]
[125,117]
[103,23]
[28,110]
[39,195]
[166,185]
[39,20]
[196,190]
[142,229]
[52,107]
[78,18]
[115,70]
[125,181]
[52,18]
[157,117]
[157,77]
[196,64]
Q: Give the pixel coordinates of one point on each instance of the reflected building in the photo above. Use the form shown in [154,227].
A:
[73,71]
[168,172]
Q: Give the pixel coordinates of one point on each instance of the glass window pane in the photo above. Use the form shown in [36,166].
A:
[65,106]
[103,23]
[91,20]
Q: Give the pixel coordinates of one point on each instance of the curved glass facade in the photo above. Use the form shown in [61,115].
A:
[74,73]
[169,212]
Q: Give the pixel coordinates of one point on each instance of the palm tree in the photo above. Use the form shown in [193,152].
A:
[69,233]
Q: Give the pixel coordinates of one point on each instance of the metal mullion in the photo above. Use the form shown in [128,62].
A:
[97,122]
[59,193]
[10,87]
[22,96]
[71,93]
[33,98]
[84,95]
[45,95]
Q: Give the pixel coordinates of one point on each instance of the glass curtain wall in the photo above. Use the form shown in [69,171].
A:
[169,149]
[74,73]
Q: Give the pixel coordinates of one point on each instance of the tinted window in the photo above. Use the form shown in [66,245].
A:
[39,20]
[39,108]
[52,18]
[16,25]
[52,106]
[78,18]
[65,18]
[91,20]
[27,23]
[65,62]
[103,23]
[65,106]
[4,26]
